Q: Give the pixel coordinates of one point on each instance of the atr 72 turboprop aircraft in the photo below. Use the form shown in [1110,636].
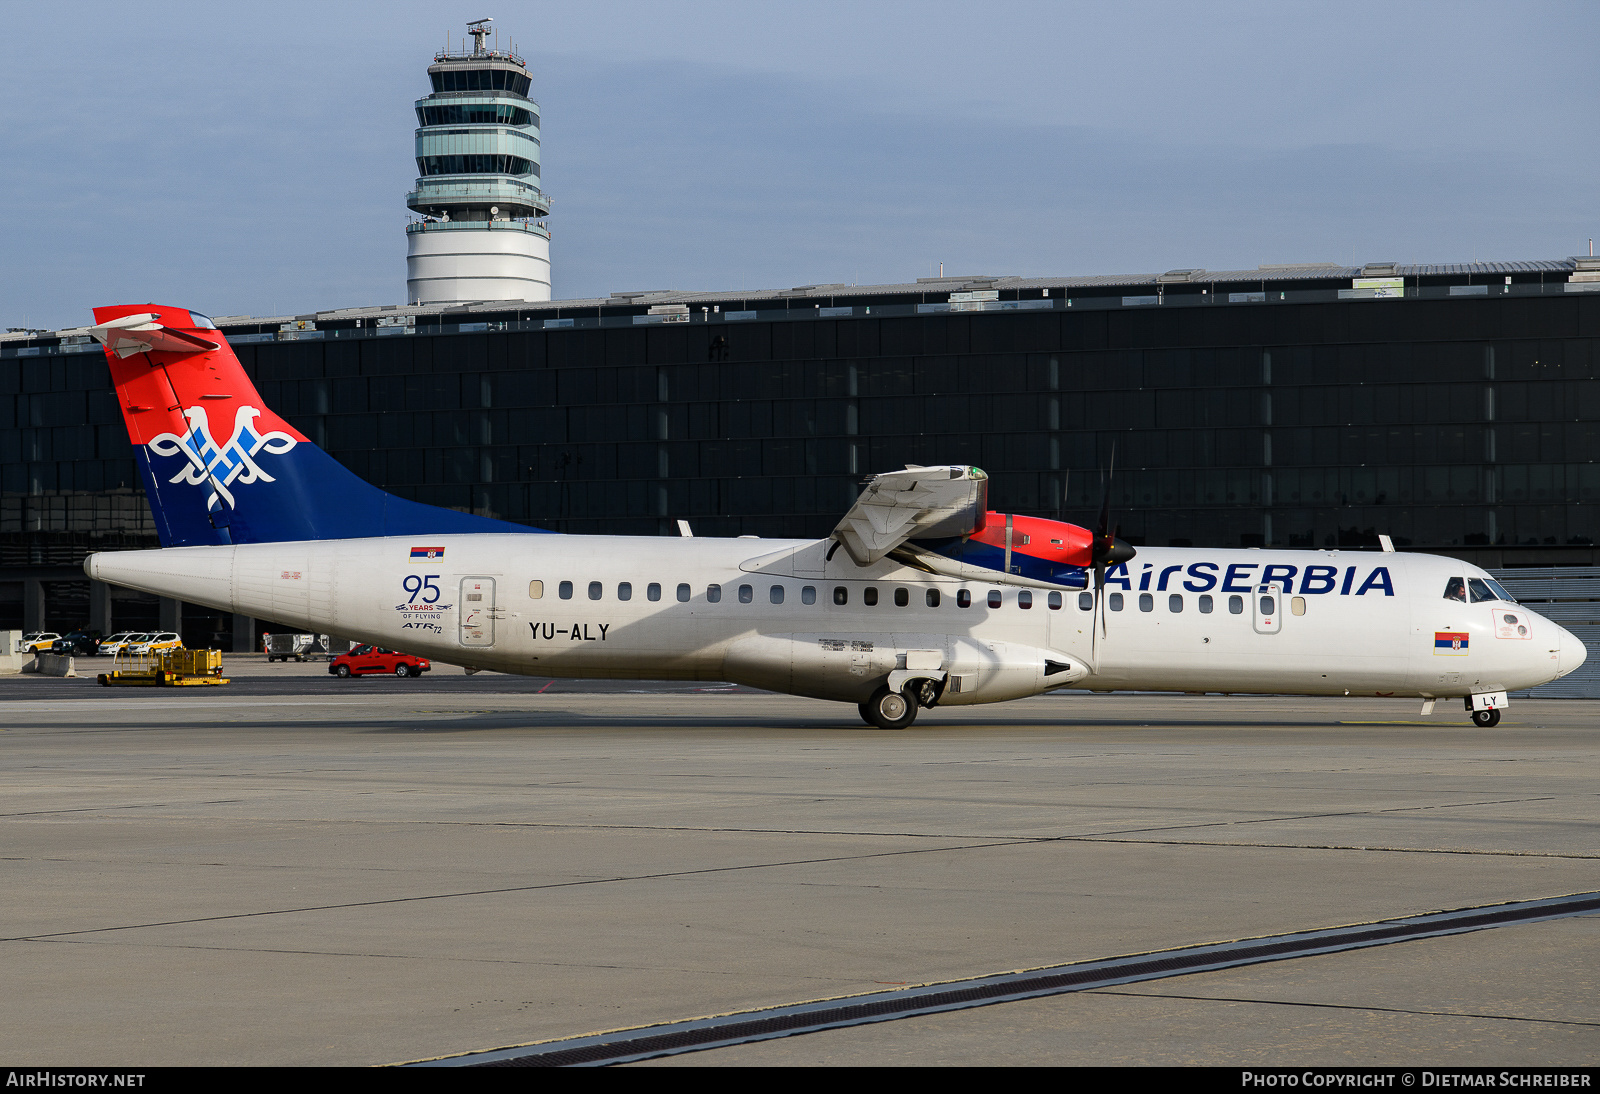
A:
[920,597]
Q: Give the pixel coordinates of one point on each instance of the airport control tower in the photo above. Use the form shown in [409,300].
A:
[480,235]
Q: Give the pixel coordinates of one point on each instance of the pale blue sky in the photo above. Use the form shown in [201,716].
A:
[253,159]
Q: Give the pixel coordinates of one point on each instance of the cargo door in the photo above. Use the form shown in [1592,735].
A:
[476,611]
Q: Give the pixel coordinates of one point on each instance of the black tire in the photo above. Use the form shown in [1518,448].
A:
[866,714]
[890,709]
[1486,719]
[402,671]
[343,671]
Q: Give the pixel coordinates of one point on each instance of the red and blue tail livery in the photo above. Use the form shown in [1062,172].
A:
[219,466]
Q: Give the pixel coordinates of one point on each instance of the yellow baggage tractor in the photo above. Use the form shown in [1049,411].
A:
[165,668]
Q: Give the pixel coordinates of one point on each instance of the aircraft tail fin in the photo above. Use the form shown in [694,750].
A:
[218,465]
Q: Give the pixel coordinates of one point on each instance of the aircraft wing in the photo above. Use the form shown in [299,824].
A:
[917,503]
[141,333]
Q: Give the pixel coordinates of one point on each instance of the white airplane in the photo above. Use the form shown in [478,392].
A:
[920,597]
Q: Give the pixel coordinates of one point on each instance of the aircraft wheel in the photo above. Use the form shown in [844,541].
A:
[890,709]
[1486,719]
[344,670]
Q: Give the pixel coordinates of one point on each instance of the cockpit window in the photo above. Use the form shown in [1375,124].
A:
[1484,590]
[1499,590]
[1456,589]
[201,322]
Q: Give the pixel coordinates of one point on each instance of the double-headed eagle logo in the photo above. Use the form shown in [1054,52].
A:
[219,466]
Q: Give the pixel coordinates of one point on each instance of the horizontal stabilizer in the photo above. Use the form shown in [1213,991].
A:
[142,333]
[917,503]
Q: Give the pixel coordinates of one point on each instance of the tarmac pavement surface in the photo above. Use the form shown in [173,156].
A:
[293,869]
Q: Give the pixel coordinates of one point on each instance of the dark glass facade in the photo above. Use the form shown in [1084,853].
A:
[476,165]
[476,114]
[480,79]
[1467,426]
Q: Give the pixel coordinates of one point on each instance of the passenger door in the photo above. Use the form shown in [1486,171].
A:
[1267,606]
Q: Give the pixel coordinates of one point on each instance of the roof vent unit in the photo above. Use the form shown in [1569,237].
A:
[1380,269]
[1180,275]
[1585,268]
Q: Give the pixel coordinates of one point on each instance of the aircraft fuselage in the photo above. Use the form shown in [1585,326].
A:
[781,615]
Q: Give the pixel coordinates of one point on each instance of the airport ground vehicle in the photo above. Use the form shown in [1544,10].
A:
[288,646]
[37,642]
[78,643]
[919,597]
[153,642]
[111,644]
[368,660]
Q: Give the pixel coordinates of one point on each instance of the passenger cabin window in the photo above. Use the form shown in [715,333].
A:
[1175,603]
[713,594]
[683,594]
[625,590]
[1298,605]
[775,594]
[1024,599]
[1114,602]
[1205,603]
[932,598]
[841,595]
[595,590]
[808,595]
[1147,603]
[869,596]
[746,594]
[1086,602]
[1235,605]
[963,598]
[652,591]
[535,590]
[565,590]
[1269,606]
[994,598]
[1054,601]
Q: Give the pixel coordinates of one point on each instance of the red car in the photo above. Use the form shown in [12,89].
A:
[364,660]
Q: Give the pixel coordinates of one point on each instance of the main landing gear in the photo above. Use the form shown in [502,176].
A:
[1486,719]
[889,709]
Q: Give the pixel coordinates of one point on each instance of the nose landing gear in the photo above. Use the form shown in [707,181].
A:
[1485,708]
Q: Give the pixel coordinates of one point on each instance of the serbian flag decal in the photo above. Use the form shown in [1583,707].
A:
[426,554]
[1450,643]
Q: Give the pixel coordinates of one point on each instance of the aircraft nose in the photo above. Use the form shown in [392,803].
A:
[1573,653]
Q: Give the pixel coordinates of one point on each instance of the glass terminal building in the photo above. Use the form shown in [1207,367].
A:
[1454,408]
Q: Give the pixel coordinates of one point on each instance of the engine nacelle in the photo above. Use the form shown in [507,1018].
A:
[1040,552]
